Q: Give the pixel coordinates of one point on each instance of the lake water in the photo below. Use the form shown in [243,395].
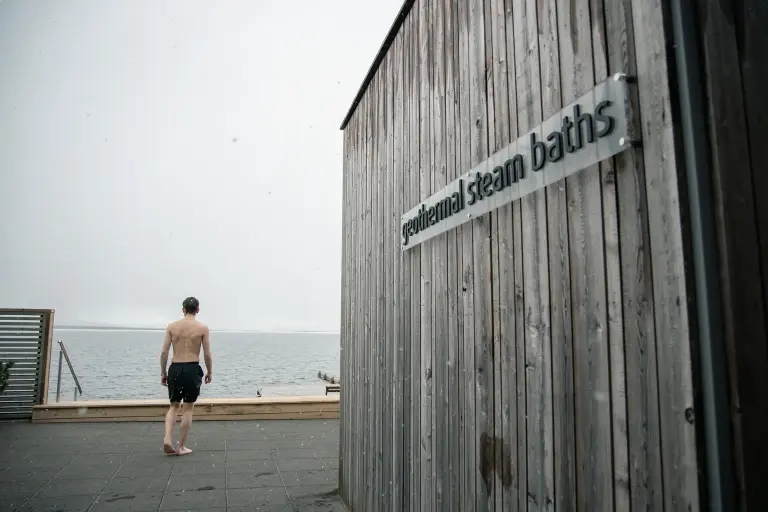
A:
[125,364]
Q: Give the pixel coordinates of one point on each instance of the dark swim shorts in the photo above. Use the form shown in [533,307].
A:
[184,381]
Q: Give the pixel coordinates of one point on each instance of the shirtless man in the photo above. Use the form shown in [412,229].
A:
[185,376]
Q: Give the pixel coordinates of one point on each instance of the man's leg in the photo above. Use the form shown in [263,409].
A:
[186,421]
[170,421]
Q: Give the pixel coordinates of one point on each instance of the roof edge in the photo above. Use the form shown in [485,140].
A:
[393,30]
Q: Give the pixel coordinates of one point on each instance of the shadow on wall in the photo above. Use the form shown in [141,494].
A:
[488,466]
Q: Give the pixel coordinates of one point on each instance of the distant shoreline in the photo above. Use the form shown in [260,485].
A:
[108,328]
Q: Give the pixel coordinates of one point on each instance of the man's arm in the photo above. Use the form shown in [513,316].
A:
[166,350]
[207,354]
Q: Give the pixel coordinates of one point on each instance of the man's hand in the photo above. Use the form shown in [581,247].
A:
[164,356]
[208,378]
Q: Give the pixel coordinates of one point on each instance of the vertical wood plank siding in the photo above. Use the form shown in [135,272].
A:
[537,357]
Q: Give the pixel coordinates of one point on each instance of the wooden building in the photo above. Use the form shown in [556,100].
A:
[590,335]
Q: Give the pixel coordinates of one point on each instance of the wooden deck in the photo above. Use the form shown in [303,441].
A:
[274,408]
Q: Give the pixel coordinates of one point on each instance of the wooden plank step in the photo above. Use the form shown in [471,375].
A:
[294,407]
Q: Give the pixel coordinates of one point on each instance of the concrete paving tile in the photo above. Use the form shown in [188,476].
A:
[119,444]
[250,428]
[203,457]
[157,432]
[61,504]
[137,485]
[154,439]
[272,435]
[331,440]
[284,425]
[77,472]
[254,466]
[161,469]
[246,438]
[148,449]
[261,445]
[128,502]
[16,453]
[300,464]
[144,472]
[243,428]
[327,491]
[215,509]
[206,445]
[15,474]
[126,429]
[82,487]
[288,453]
[331,462]
[205,442]
[318,504]
[202,436]
[150,457]
[248,455]
[57,449]
[257,497]
[112,448]
[250,480]
[194,500]
[288,444]
[99,459]
[11,501]
[199,468]
[306,478]
[196,482]
[128,437]
[208,429]
[39,461]
[285,507]
[29,487]
[6,464]
[327,450]
[319,439]
[61,430]
[10,442]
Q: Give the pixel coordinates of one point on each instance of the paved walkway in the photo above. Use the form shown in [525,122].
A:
[236,466]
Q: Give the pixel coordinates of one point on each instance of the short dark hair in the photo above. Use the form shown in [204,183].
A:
[191,305]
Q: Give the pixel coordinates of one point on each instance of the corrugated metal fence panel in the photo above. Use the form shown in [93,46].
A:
[24,339]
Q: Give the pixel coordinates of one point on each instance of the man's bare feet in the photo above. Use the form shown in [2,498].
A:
[182,450]
[168,448]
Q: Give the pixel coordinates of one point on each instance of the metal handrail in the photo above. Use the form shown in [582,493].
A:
[64,355]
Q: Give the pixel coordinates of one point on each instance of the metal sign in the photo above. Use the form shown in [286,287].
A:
[589,130]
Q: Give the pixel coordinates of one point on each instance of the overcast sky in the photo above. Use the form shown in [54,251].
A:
[151,150]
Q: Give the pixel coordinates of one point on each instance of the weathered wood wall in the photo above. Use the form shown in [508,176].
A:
[538,357]
[733,44]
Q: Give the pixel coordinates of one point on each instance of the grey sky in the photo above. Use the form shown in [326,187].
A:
[153,150]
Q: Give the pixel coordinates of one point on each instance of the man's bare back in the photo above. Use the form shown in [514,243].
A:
[187,336]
